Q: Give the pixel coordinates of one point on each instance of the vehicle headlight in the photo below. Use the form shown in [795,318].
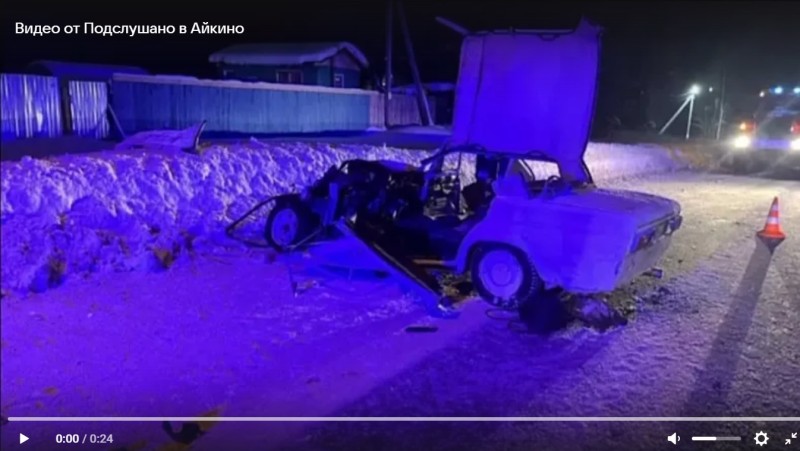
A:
[795,145]
[742,142]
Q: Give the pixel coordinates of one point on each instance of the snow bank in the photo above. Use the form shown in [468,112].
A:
[120,211]
[140,210]
[609,162]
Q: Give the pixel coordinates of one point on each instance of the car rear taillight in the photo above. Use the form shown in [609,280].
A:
[647,237]
[674,224]
[642,241]
[796,127]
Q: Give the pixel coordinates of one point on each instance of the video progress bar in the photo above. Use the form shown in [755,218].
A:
[408,419]
[716,439]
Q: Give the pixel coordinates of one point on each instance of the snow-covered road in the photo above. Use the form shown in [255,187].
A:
[222,335]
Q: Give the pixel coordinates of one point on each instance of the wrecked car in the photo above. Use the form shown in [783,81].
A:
[482,205]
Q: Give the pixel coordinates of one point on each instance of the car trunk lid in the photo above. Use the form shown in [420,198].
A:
[524,92]
[646,208]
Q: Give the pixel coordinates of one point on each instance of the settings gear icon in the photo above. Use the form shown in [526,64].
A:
[761,438]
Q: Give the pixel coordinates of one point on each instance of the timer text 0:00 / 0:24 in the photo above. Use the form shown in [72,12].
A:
[90,438]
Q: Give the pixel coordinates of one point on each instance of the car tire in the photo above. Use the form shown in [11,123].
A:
[288,223]
[504,276]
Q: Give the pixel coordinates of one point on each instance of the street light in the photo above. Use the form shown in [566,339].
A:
[694,91]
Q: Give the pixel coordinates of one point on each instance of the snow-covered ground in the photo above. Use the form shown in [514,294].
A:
[141,209]
[221,334]
[115,210]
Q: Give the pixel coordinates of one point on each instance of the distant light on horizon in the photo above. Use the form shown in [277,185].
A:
[710,89]
[694,90]
[796,90]
[778,90]
[762,94]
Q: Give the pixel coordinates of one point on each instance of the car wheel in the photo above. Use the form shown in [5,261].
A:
[288,223]
[504,276]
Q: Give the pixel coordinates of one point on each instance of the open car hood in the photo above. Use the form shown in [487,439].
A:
[526,92]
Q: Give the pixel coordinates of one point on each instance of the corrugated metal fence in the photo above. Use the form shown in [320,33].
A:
[33,106]
[403,110]
[88,105]
[146,102]
[37,106]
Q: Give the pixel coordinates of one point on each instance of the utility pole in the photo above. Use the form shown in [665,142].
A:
[721,105]
[387,95]
[689,122]
[422,98]
[674,116]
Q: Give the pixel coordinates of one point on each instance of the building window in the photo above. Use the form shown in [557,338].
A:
[294,77]
[338,80]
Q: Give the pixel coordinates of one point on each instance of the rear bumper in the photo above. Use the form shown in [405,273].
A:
[604,275]
[619,265]
[643,260]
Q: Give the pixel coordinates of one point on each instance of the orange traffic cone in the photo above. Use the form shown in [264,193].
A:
[772,229]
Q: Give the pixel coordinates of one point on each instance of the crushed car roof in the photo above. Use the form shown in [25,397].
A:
[520,92]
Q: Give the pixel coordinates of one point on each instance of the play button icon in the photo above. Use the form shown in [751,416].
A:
[22,438]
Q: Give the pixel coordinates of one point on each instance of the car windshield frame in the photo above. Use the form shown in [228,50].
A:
[435,162]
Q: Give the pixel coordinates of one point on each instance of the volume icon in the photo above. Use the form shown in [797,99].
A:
[674,439]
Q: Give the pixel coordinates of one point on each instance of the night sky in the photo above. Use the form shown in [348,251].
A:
[649,47]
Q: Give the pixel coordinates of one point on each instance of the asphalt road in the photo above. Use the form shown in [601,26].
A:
[718,336]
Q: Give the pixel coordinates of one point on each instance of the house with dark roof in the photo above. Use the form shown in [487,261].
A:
[335,64]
